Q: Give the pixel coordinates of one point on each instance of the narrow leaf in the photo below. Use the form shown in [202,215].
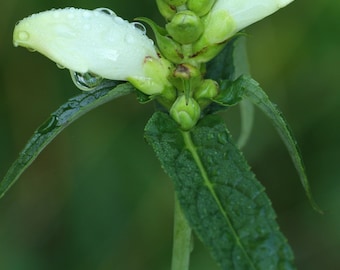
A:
[252,91]
[223,202]
[61,118]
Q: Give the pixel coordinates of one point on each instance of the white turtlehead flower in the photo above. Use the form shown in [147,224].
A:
[227,17]
[96,41]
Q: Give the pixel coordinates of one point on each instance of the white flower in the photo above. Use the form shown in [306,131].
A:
[95,41]
[227,17]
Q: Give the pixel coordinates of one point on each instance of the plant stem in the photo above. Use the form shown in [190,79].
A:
[182,243]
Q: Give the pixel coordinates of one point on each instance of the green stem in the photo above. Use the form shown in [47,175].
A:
[182,245]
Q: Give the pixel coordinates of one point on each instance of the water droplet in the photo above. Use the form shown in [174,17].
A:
[106,11]
[48,125]
[139,26]
[23,36]
[86,14]
[119,20]
[86,81]
[60,66]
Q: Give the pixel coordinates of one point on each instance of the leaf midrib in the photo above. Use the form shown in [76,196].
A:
[208,183]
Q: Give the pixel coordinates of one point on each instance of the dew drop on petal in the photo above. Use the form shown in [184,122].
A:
[31,49]
[86,14]
[23,36]
[119,20]
[106,11]
[139,26]
[60,66]
[86,81]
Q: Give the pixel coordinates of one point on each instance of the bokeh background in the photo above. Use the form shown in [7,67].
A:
[97,198]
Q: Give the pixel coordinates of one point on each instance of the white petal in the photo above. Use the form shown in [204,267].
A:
[87,41]
[247,12]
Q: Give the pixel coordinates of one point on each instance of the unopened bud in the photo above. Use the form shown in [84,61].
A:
[168,11]
[200,7]
[154,81]
[185,27]
[206,92]
[186,112]
[185,74]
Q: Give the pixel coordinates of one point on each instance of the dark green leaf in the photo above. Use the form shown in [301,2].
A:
[61,118]
[252,91]
[223,202]
[230,94]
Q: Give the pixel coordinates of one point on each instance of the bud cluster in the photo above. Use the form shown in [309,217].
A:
[180,41]
[195,32]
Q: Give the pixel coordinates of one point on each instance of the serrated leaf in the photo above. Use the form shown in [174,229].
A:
[230,94]
[255,93]
[61,118]
[223,202]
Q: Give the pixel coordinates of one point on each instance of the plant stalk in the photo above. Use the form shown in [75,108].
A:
[182,242]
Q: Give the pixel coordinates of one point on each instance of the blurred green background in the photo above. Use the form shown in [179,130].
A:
[97,198]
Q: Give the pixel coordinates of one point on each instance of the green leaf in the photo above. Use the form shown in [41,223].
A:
[223,202]
[251,90]
[230,94]
[61,118]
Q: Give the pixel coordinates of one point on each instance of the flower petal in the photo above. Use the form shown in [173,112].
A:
[82,40]
[247,12]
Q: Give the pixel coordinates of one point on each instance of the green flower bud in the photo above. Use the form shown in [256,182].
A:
[185,77]
[167,11]
[154,80]
[200,7]
[186,112]
[186,27]
[206,92]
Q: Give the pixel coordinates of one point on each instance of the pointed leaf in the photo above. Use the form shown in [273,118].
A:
[223,202]
[252,91]
[61,118]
